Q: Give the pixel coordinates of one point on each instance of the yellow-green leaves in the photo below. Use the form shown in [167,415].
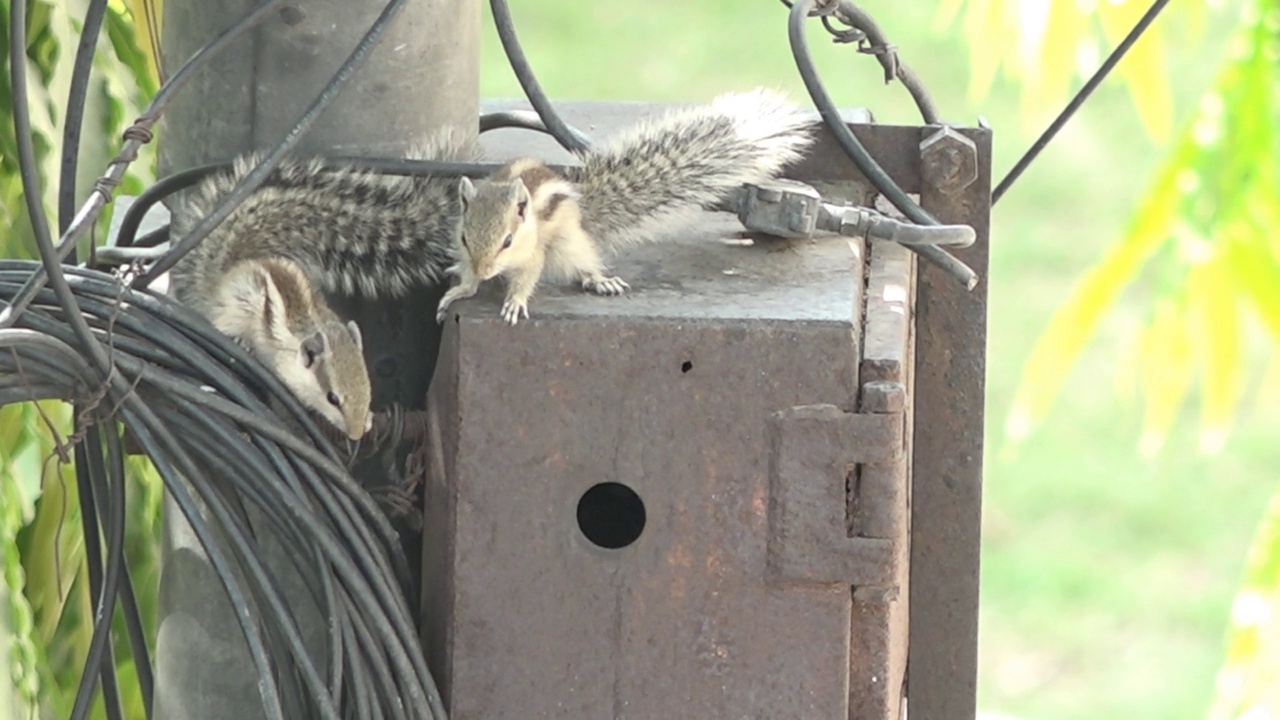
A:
[146,16]
[1204,239]
[1045,45]
[46,613]
[1247,687]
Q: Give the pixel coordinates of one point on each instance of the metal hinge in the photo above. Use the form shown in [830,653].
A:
[815,454]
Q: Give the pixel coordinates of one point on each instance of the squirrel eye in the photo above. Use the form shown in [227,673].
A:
[506,243]
[334,400]
[463,238]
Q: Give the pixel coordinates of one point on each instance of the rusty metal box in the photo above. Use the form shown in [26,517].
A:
[679,503]
[711,498]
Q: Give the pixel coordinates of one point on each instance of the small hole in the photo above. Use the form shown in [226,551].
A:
[291,15]
[385,366]
[611,515]
[686,366]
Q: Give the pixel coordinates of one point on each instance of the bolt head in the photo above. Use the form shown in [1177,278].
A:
[949,160]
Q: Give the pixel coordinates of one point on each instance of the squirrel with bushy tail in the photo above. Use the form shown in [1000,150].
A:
[526,222]
[262,275]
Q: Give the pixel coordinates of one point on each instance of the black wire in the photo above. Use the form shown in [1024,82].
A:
[29,172]
[259,174]
[310,499]
[574,143]
[526,120]
[865,27]
[134,628]
[77,94]
[1061,120]
[183,179]
[135,136]
[153,435]
[90,481]
[852,147]
[893,66]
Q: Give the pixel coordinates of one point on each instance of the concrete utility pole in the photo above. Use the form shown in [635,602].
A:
[423,76]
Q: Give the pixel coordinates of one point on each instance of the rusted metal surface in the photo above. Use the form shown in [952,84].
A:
[951,332]
[669,391]
[811,448]
[878,649]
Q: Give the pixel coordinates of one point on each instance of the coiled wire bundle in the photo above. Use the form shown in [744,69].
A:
[207,413]
[184,392]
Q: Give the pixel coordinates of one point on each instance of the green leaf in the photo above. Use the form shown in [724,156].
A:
[1213,210]
[1168,363]
[1247,684]
[19,696]
[1074,323]
[1215,319]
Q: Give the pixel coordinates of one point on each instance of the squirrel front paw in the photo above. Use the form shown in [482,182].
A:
[513,308]
[454,293]
[605,285]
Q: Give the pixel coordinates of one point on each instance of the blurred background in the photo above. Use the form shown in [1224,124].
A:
[1131,451]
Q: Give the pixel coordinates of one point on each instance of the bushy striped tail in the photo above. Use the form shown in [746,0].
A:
[661,172]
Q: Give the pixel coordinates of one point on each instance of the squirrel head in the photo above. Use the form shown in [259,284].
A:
[276,310]
[499,225]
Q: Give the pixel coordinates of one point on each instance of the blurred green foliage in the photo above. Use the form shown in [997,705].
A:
[45,607]
[1065,633]
[1204,245]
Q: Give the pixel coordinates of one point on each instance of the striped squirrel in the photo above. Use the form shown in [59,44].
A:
[526,221]
[261,275]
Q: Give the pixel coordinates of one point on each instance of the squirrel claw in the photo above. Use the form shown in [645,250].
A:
[606,285]
[512,309]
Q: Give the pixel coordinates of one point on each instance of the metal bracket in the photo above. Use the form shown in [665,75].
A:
[790,209]
[813,450]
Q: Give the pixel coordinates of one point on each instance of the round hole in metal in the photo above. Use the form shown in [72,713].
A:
[611,515]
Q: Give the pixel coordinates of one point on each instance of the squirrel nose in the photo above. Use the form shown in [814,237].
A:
[355,432]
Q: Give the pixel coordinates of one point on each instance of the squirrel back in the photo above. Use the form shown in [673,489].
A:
[661,171]
[261,275]
[352,231]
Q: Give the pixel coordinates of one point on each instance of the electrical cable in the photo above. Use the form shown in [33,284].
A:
[303,492]
[135,137]
[259,174]
[852,147]
[73,122]
[1078,100]
[575,143]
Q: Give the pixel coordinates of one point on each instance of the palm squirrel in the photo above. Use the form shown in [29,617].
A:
[261,275]
[525,220]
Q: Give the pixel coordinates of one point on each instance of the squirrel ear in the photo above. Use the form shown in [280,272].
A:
[466,190]
[522,198]
[312,348]
[354,329]
[270,301]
